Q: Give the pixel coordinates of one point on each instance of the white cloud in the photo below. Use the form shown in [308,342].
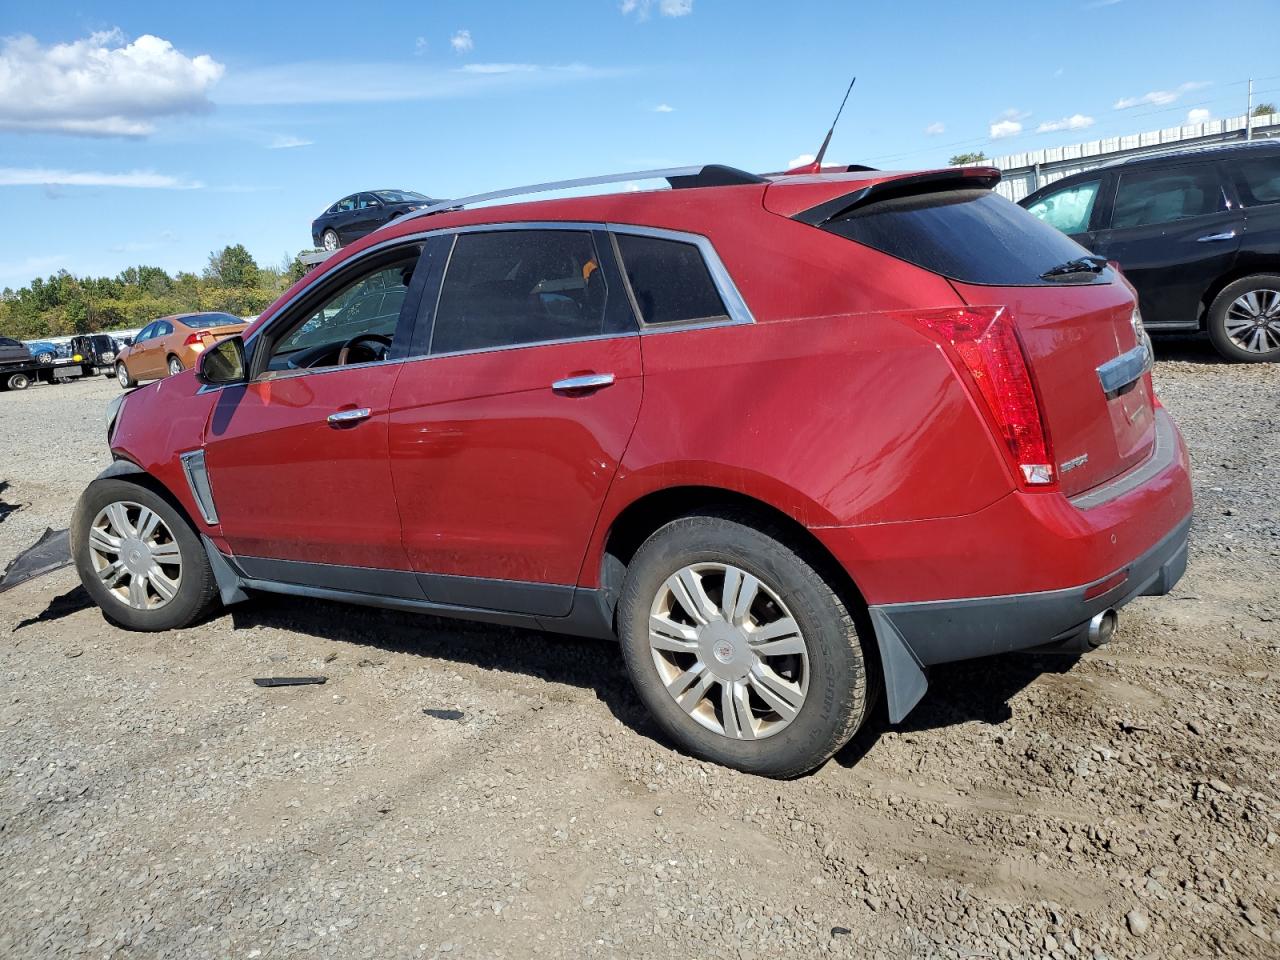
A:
[1077,121]
[935,129]
[667,8]
[801,161]
[144,179]
[100,85]
[391,82]
[284,141]
[1158,98]
[462,42]
[664,108]
[1199,115]
[1005,128]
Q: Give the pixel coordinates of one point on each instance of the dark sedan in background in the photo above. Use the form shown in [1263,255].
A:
[361,213]
[1196,231]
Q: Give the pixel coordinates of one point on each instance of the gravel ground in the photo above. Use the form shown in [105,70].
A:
[154,803]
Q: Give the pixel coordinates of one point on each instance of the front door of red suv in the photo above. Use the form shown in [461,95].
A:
[506,436]
[297,457]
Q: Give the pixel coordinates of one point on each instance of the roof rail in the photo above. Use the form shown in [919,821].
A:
[680,178]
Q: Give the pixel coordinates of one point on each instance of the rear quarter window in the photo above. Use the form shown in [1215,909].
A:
[670,280]
[1258,179]
[971,235]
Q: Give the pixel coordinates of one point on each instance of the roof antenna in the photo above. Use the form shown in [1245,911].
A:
[816,165]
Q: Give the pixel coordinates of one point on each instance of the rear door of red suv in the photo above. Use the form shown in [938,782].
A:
[1073,317]
[506,433]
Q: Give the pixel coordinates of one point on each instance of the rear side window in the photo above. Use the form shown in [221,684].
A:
[969,234]
[510,287]
[1068,209]
[1258,180]
[1163,196]
[670,280]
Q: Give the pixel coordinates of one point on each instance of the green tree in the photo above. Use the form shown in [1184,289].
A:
[232,266]
[964,159]
[1262,109]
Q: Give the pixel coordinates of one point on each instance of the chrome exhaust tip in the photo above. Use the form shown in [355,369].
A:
[1102,627]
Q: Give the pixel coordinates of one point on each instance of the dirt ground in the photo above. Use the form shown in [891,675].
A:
[155,803]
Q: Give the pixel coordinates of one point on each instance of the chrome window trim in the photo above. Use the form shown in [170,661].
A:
[197,474]
[738,311]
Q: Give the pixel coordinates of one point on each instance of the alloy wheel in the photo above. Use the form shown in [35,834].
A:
[122,374]
[135,555]
[175,366]
[1253,321]
[728,651]
[330,240]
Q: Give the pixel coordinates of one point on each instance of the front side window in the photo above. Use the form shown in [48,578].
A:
[368,200]
[510,287]
[1068,209]
[356,324]
[1163,196]
[670,280]
[1258,179]
[145,333]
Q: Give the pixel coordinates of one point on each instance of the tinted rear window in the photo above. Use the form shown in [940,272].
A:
[211,320]
[970,235]
[670,280]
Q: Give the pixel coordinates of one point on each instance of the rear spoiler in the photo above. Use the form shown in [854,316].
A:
[948,179]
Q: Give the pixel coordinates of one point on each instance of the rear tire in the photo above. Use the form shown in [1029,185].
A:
[18,381]
[175,366]
[179,564]
[1244,319]
[124,378]
[735,711]
[330,240]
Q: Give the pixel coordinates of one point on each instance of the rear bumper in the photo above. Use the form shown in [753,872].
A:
[1029,571]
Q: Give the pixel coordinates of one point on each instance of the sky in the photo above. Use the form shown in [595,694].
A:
[156,132]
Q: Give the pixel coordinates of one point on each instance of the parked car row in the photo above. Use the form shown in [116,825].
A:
[1197,232]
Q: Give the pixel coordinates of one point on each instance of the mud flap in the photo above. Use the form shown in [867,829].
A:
[228,581]
[905,681]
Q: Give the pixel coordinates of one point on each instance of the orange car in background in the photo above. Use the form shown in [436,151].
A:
[172,344]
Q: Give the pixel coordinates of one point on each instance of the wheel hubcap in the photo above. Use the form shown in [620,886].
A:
[330,241]
[122,374]
[728,651]
[135,555]
[174,367]
[1253,321]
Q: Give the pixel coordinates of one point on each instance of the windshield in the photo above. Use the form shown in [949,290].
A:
[400,196]
[205,320]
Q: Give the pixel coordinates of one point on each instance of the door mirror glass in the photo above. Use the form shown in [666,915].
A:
[223,363]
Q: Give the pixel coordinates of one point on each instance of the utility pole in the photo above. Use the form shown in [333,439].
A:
[1248,115]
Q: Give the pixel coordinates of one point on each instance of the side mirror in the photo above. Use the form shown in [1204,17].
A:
[223,363]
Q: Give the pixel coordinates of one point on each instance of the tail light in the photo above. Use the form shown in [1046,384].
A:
[986,345]
[195,340]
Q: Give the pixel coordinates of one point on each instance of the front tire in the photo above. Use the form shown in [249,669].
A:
[124,378]
[1244,319]
[138,558]
[744,654]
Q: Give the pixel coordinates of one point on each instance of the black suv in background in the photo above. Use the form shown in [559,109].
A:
[1197,232]
[362,213]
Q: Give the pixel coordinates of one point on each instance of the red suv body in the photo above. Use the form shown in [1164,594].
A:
[893,415]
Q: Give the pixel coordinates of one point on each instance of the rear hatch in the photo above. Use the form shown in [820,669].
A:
[1071,320]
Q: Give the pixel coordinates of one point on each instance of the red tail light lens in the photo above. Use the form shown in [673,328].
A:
[986,345]
[194,339]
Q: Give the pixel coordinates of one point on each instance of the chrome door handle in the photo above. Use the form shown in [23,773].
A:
[1229,235]
[349,416]
[590,381]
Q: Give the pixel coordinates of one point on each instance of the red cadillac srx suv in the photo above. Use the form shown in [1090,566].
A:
[791,439]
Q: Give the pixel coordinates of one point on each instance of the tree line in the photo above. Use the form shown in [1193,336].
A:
[64,304]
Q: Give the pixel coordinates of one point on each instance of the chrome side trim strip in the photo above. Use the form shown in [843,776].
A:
[1118,373]
[198,480]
